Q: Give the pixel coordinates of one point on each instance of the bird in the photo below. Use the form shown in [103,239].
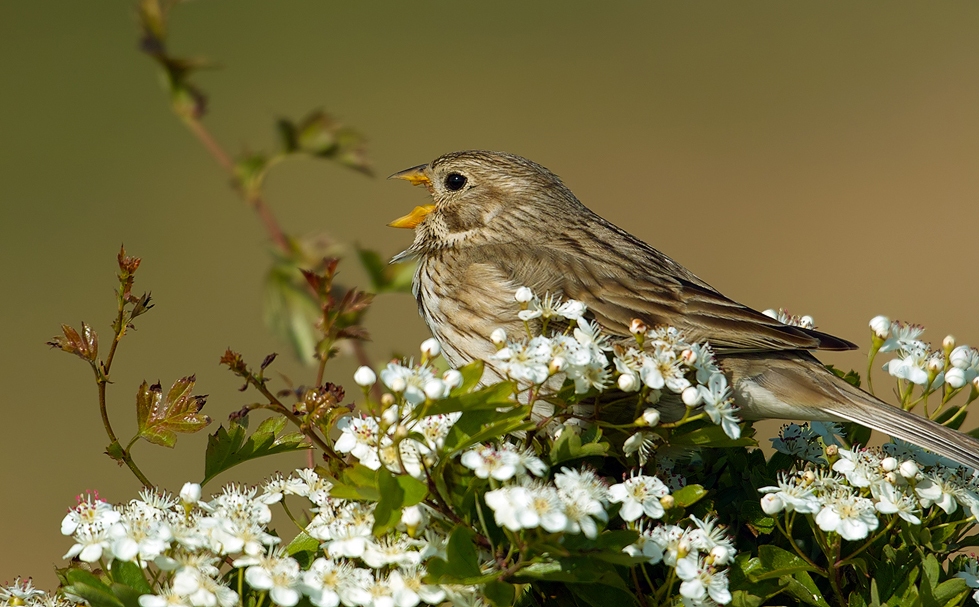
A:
[498,222]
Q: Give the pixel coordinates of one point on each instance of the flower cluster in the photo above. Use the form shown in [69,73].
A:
[898,479]
[657,359]
[918,363]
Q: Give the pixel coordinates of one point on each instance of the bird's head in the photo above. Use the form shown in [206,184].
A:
[481,198]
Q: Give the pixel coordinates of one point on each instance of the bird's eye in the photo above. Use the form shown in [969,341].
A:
[455,181]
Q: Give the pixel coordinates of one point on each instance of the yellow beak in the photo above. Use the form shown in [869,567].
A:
[414,176]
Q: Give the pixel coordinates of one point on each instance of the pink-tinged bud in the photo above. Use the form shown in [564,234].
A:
[365,377]
[688,357]
[832,450]
[908,469]
[889,464]
[628,382]
[523,295]
[430,348]
[690,396]
[498,337]
[948,343]
[638,327]
[772,504]
[881,326]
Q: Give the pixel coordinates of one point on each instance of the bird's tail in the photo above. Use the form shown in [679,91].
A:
[797,386]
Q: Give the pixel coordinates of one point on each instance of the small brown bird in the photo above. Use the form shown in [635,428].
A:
[500,222]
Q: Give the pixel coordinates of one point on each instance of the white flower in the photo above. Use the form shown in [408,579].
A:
[911,364]
[645,548]
[365,377]
[380,553]
[792,496]
[526,361]
[407,381]
[710,538]
[970,573]
[860,467]
[719,406]
[498,337]
[594,375]
[891,500]
[90,541]
[901,334]
[881,326]
[140,533]
[938,488]
[409,589]
[277,486]
[166,598]
[20,592]
[89,511]
[771,504]
[359,436]
[849,515]
[452,379]
[506,503]
[701,581]
[277,573]
[639,495]
[325,581]
[571,309]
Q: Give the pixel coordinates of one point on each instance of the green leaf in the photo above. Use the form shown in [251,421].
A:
[482,425]
[754,516]
[689,495]
[386,277]
[90,588]
[228,448]
[576,570]
[500,593]
[396,493]
[851,377]
[160,417]
[948,414]
[131,575]
[776,562]
[802,587]
[710,436]
[496,396]
[570,445]
[471,374]
[291,312]
[461,562]
[357,482]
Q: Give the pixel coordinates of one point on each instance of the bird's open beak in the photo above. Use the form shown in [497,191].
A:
[414,176]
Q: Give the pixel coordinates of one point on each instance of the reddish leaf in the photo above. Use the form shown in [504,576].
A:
[160,416]
[84,345]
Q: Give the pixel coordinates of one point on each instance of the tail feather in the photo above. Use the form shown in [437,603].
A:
[797,386]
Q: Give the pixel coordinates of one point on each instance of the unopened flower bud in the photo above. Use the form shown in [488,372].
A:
[908,469]
[667,501]
[190,493]
[557,365]
[889,464]
[771,504]
[435,389]
[881,326]
[975,383]
[638,327]
[682,548]
[628,382]
[935,364]
[807,322]
[688,357]
[452,379]
[498,337]
[809,477]
[832,450]
[959,357]
[650,417]
[387,399]
[398,384]
[891,478]
[390,416]
[523,295]
[400,433]
[430,348]
[948,343]
[365,377]
[955,377]
[771,313]
[411,517]
[690,396]
[720,554]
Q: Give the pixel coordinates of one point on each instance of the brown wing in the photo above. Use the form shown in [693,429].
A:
[621,278]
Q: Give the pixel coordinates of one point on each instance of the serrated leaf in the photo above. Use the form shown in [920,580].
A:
[159,417]
[689,495]
[357,482]
[130,574]
[227,448]
[84,344]
[90,588]
[802,587]
[572,445]
[291,312]
[484,425]
[397,492]
[471,374]
[496,396]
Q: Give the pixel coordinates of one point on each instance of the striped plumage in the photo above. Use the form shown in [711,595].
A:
[513,223]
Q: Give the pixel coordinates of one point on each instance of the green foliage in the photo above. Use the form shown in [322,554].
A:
[229,447]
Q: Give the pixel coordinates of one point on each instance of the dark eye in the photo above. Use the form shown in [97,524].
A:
[455,181]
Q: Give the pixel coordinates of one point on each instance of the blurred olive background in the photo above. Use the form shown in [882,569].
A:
[823,157]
